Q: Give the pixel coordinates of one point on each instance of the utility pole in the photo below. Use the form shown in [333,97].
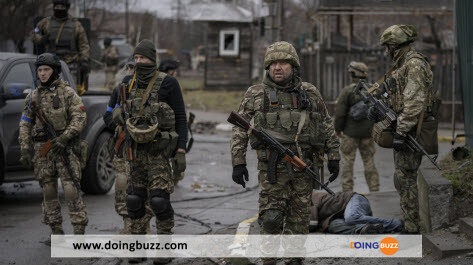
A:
[274,20]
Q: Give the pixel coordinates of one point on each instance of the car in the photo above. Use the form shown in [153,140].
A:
[17,78]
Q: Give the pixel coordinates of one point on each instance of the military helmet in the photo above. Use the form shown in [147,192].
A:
[359,69]
[281,50]
[49,59]
[142,129]
[398,34]
[66,3]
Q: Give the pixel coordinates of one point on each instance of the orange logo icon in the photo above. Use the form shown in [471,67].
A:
[389,246]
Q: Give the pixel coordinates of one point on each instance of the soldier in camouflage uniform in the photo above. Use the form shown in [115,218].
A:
[350,118]
[410,95]
[120,165]
[65,37]
[110,58]
[158,127]
[63,109]
[293,112]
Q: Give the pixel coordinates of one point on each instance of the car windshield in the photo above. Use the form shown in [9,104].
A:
[2,63]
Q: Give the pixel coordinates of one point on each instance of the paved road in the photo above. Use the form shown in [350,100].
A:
[206,201]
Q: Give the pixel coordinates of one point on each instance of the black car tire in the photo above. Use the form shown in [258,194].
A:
[98,176]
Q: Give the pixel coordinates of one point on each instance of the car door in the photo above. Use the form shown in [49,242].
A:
[15,84]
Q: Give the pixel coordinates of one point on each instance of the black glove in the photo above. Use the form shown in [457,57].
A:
[84,66]
[239,172]
[59,145]
[374,115]
[399,143]
[333,168]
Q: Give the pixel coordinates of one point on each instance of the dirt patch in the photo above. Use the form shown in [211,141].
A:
[212,100]
[460,174]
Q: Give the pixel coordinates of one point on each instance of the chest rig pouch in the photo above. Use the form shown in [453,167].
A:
[287,116]
[54,106]
[152,122]
[62,38]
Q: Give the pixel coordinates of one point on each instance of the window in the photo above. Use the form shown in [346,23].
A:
[229,42]
[18,78]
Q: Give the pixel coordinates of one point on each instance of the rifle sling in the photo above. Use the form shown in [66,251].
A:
[58,36]
[148,90]
[380,81]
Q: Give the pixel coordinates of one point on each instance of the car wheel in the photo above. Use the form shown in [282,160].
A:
[98,176]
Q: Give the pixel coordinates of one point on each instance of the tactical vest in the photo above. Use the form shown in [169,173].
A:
[158,112]
[426,129]
[282,116]
[398,81]
[67,41]
[54,107]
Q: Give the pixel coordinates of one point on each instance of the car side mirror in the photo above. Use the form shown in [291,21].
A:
[16,90]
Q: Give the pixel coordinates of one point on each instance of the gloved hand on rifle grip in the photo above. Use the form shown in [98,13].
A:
[240,174]
[374,115]
[59,144]
[84,66]
[334,169]
[399,142]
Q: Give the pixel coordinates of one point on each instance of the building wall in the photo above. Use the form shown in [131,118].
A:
[228,72]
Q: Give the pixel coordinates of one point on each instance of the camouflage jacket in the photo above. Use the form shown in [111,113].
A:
[41,35]
[410,88]
[317,136]
[343,121]
[69,118]
[110,56]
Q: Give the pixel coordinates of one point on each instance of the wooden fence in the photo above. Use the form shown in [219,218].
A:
[327,70]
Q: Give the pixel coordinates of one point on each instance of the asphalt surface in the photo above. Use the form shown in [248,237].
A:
[206,201]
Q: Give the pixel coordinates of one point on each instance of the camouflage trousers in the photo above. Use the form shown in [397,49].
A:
[122,173]
[152,173]
[288,201]
[406,166]
[110,72]
[367,149]
[47,170]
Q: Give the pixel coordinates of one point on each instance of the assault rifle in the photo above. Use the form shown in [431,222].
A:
[128,140]
[49,129]
[390,118]
[277,148]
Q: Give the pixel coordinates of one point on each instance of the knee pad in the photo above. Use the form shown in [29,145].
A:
[272,221]
[135,202]
[161,204]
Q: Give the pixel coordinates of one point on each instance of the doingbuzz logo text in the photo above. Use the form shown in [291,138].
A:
[388,245]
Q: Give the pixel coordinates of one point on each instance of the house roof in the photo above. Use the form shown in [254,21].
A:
[387,7]
[224,12]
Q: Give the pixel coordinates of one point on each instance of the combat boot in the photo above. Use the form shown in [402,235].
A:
[126,226]
[136,260]
[79,229]
[294,262]
[269,261]
[158,261]
[56,229]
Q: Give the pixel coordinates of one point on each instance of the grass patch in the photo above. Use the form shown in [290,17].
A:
[188,84]
[213,100]
[460,173]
